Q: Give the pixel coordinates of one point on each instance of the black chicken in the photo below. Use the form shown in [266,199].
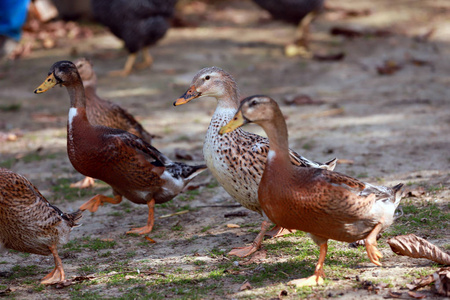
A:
[139,23]
[298,12]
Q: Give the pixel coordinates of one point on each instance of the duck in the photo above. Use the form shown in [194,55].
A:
[132,167]
[327,205]
[139,24]
[298,12]
[29,223]
[104,112]
[237,159]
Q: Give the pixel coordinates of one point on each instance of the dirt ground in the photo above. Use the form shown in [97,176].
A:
[386,129]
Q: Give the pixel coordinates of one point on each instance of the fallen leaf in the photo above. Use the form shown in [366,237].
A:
[395,294]
[7,291]
[416,192]
[236,214]
[329,57]
[256,257]
[302,100]
[416,295]
[233,226]
[389,67]
[245,286]
[149,239]
[442,281]
[416,247]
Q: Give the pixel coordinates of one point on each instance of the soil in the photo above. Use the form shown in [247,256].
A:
[384,128]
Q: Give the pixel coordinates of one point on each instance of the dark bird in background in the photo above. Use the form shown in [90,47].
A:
[298,12]
[139,23]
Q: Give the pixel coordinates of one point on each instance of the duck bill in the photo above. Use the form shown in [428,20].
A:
[190,94]
[49,82]
[237,122]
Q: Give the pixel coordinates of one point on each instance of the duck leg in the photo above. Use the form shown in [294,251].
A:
[246,251]
[127,68]
[147,59]
[150,221]
[371,245]
[57,274]
[318,276]
[93,204]
[84,183]
[300,45]
[278,231]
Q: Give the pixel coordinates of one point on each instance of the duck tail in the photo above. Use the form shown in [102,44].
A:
[330,165]
[73,218]
[189,172]
[398,193]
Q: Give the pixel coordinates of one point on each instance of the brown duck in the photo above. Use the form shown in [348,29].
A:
[103,112]
[132,167]
[29,223]
[328,205]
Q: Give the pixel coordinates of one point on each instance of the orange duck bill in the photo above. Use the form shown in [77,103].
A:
[190,94]
[49,82]
[238,121]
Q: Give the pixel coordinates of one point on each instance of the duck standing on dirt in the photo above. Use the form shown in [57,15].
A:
[236,160]
[29,223]
[139,23]
[103,112]
[132,167]
[298,12]
[328,205]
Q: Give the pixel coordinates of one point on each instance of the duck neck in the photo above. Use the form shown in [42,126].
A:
[229,97]
[278,140]
[76,94]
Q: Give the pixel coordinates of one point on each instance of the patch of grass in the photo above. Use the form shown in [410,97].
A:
[105,254]
[37,157]
[206,228]
[26,271]
[177,227]
[91,244]
[115,214]
[423,218]
[10,107]
[87,269]
[78,294]
[8,163]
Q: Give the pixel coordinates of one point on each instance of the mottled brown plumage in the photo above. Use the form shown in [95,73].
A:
[237,159]
[328,205]
[29,223]
[104,112]
[132,167]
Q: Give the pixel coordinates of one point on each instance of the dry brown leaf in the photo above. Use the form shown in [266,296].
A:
[416,192]
[395,294]
[149,239]
[256,257]
[416,295]
[442,281]
[416,247]
[236,214]
[389,67]
[245,286]
[233,226]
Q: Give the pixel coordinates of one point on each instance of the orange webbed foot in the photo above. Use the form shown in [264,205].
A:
[54,276]
[85,183]
[243,251]
[278,231]
[373,253]
[141,230]
[309,281]
[95,202]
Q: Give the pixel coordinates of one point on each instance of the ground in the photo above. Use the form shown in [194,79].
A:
[385,129]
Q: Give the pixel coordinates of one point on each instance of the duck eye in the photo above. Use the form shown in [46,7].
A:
[207,77]
[253,103]
[48,80]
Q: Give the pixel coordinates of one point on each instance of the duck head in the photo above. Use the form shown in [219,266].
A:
[62,72]
[210,82]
